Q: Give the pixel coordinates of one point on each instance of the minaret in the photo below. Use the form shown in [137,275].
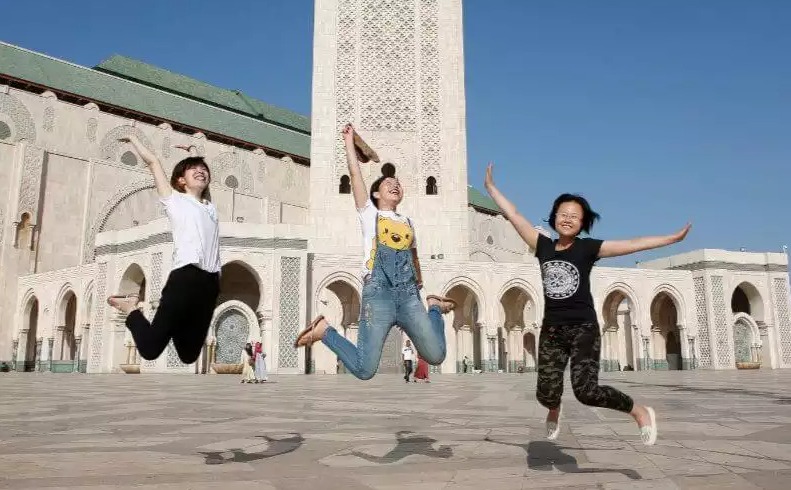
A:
[394,69]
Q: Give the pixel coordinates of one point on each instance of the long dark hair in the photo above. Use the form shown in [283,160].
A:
[588,214]
[181,168]
[388,170]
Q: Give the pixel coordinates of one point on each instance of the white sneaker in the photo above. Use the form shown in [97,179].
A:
[553,428]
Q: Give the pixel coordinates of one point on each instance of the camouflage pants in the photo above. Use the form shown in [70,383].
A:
[581,342]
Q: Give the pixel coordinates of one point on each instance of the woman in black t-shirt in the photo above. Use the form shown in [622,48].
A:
[570,328]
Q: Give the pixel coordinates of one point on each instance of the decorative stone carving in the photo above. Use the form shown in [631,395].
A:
[167,147]
[289,310]
[30,184]
[784,318]
[387,53]
[98,320]
[156,276]
[24,126]
[104,213]
[91,128]
[110,147]
[702,314]
[724,352]
[49,119]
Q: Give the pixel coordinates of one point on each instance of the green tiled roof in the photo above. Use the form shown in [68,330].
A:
[129,84]
[228,99]
[481,201]
[160,103]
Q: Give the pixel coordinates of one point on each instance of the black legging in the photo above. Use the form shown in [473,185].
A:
[184,314]
[581,342]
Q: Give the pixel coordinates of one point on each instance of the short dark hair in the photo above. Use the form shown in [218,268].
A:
[388,170]
[589,216]
[181,168]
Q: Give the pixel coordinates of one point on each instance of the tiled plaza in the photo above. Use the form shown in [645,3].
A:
[717,430]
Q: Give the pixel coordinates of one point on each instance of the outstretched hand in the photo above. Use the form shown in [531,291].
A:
[488,181]
[682,234]
[348,133]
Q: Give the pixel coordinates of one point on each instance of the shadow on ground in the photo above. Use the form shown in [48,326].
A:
[276,447]
[544,456]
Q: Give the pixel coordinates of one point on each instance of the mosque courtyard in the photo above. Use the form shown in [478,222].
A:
[718,429]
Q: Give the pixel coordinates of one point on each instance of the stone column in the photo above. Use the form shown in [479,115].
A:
[38,366]
[50,346]
[659,358]
[22,350]
[684,347]
[14,349]
[646,361]
[491,352]
[763,330]
[58,346]
[693,356]
[75,367]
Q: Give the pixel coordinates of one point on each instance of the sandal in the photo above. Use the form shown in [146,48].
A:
[308,331]
[122,297]
[443,299]
[553,428]
[648,433]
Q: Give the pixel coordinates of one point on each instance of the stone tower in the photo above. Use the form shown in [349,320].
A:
[394,69]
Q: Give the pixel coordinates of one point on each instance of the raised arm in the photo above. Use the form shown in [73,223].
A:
[615,248]
[152,161]
[525,229]
[359,191]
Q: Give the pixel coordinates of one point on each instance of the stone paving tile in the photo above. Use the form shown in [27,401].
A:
[717,430]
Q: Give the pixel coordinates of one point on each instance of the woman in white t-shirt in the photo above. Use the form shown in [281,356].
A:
[191,290]
[391,280]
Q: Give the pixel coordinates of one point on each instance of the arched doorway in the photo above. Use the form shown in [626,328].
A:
[467,330]
[238,281]
[66,344]
[133,281]
[31,341]
[750,340]
[339,302]
[518,313]
[617,347]
[665,336]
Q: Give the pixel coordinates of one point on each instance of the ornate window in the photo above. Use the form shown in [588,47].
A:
[345,186]
[431,186]
[129,158]
[232,182]
[5,131]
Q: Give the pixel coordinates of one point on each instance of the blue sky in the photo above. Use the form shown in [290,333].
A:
[658,111]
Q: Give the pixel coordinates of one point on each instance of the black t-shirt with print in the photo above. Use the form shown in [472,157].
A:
[566,278]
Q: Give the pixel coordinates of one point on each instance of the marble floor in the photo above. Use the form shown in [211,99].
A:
[716,430]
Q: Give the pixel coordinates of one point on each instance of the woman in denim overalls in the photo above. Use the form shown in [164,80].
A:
[392,283]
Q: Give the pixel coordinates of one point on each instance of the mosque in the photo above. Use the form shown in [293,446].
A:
[79,218]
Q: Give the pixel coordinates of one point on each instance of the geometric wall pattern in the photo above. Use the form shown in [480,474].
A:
[724,351]
[784,318]
[704,342]
[289,310]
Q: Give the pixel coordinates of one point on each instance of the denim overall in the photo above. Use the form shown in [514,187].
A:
[390,297]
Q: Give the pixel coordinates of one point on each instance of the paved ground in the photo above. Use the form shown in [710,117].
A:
[717,430]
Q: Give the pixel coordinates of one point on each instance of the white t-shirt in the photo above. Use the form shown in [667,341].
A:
[196,232]
[408,353]
[395,230]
